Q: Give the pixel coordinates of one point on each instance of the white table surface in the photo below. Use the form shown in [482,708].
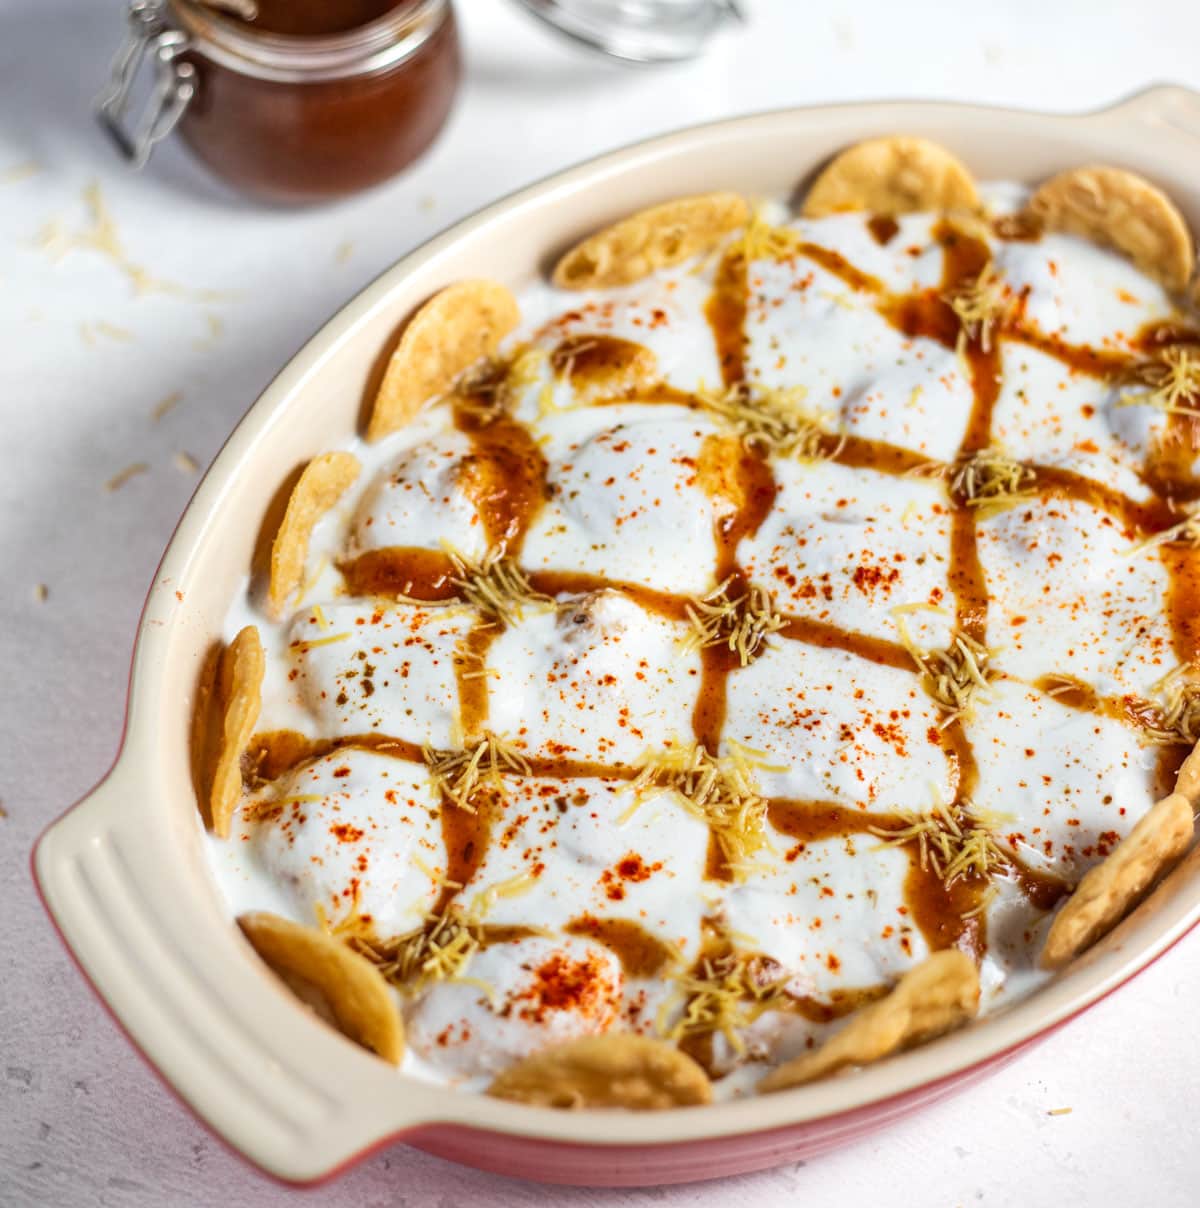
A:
[82,1120]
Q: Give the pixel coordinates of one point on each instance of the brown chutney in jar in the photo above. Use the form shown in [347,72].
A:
[316,99]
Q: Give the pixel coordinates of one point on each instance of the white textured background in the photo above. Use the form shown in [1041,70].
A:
[82,1120]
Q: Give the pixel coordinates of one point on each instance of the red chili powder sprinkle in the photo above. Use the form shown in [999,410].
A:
[562,984]
[630,867]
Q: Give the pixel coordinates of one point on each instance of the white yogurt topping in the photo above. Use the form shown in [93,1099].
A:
[369,667]
[1061,781]
[352,832]
[846,547]
[1070,596]
[599,839]
[522,997]
[421,502]
[834,727]
[602,680]
[626,502]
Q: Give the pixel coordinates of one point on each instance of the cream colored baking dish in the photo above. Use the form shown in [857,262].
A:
[124,875]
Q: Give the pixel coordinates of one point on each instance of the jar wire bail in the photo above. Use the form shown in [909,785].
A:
[148,38]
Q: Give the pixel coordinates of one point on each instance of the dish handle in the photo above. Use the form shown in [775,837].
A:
[300,1102]
[1169,107]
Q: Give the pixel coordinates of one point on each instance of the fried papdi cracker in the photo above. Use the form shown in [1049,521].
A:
[239,698]
[1123,211]
[1111,889]
[456,328]
[651,239]
[324,481]
[356,992]
[893,175]
[941,993]
[1188,780]
[618,1069]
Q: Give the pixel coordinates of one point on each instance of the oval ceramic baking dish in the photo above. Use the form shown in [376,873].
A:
[124,875]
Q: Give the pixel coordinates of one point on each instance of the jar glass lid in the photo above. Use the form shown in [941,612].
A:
[643,31]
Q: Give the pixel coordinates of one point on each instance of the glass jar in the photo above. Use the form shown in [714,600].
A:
[289,116]
[642,31]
